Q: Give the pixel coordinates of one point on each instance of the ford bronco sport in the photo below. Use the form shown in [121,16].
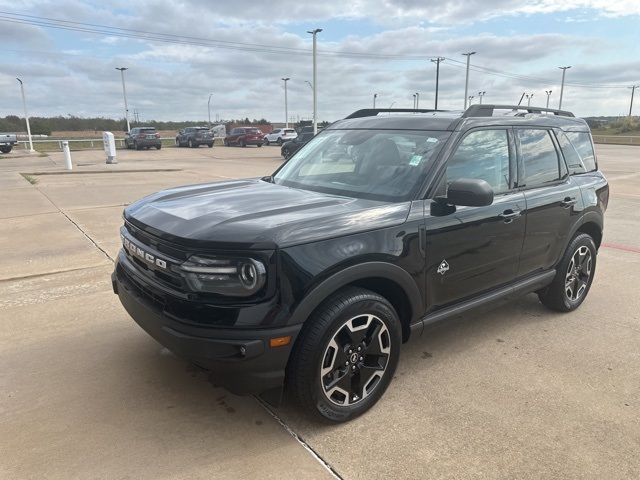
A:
[313,277]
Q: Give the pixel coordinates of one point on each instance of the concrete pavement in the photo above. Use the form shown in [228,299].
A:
[516,392]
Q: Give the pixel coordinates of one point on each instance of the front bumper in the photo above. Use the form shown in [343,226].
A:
[239,359]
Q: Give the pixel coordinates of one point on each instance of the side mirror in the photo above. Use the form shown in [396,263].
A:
[470,192]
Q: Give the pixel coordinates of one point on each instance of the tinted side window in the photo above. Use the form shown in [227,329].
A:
[582,143]
[482,154]
[539,157]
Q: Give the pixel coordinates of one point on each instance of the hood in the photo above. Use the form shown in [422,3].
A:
[254,214]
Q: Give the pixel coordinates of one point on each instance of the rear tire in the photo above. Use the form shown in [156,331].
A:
[242,144]
[286,154]
[210,145]
[158,147]
[265,141]
[136,146]
[190,143]
[346,355]
[574,276]
[280,141]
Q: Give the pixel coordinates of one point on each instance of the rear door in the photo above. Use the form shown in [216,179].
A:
[475,249]
[553,199]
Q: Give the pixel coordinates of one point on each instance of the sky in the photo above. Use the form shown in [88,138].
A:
[178,52]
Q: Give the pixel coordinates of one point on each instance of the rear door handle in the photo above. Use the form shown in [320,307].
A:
[568,202]
[510,215]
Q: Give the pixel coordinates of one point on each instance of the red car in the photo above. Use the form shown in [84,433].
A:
[244,136]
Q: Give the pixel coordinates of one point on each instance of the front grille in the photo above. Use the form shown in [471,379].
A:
[164,276]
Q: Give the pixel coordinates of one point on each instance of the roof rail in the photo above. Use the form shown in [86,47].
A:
[372,112]
[486,110]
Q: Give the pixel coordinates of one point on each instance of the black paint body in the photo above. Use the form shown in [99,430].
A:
[314,244]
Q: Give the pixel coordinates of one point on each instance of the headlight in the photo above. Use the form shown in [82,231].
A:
[235,276]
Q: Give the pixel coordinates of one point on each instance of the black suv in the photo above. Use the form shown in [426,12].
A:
[292,146]
[193,137]
[142,137]
[313,277]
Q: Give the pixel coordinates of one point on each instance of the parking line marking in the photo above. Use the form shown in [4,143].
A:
[625,248]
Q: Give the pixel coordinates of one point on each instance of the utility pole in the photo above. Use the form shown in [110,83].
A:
[26,115]
[315,81]
[124,94]
[633,90]
[375,95]
[209,109]
[437,62]
[564,71]
[466,81]
[480,95]
[286,106]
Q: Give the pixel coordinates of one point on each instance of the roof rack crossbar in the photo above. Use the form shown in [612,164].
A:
[372,112]
[486,110]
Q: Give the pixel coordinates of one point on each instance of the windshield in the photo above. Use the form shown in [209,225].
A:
[252,130]
[377,164]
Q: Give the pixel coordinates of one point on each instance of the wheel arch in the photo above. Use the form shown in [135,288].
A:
[388,280]
[593,229]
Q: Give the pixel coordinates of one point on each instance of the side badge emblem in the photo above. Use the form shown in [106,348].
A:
[443,268]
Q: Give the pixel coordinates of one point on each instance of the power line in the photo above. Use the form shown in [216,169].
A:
[107,30]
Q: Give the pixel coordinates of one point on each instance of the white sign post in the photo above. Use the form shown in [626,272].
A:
[109,146]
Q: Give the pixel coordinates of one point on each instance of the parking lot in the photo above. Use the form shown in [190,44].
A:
[517,392]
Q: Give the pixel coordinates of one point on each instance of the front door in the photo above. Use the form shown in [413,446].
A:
[475,249]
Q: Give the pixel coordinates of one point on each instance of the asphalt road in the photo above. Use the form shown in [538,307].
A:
[516,392]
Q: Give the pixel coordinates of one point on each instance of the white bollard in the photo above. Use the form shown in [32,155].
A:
[67,155]
[109,146]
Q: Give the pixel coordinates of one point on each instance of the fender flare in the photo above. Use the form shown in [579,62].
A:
[354,273]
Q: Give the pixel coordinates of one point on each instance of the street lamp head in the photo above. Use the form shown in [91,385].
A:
[19,80]
[313,32]
[564,68]
[122,69]
[286,79]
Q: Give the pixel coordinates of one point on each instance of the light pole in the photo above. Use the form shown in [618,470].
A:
[633,90]
[548,92]
[480,95]
[529,97]
[414,101]
[209,109]
[471,97]
[417,100]
[466,81]
[564,71]
[375,95]
[437,62]
[286,106]
[315,81]
[26,115]
[124,94]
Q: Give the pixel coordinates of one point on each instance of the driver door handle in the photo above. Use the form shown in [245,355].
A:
[568,202]
[510,215]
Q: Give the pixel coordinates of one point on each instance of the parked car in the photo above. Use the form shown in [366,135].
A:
[142,137]
[7,141]
[194,137]
[280,135]
[316,275]
[243,136]
[292,146]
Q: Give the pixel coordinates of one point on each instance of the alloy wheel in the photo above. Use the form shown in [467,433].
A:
[355,360]
[578,273]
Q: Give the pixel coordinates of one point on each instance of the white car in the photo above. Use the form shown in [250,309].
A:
[280,135]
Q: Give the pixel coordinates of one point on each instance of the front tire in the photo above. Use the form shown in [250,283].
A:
[345,357]
[266,141]
[286,154]
[191,144]
[574,276]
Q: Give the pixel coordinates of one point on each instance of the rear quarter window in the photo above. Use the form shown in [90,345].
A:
[583,146]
